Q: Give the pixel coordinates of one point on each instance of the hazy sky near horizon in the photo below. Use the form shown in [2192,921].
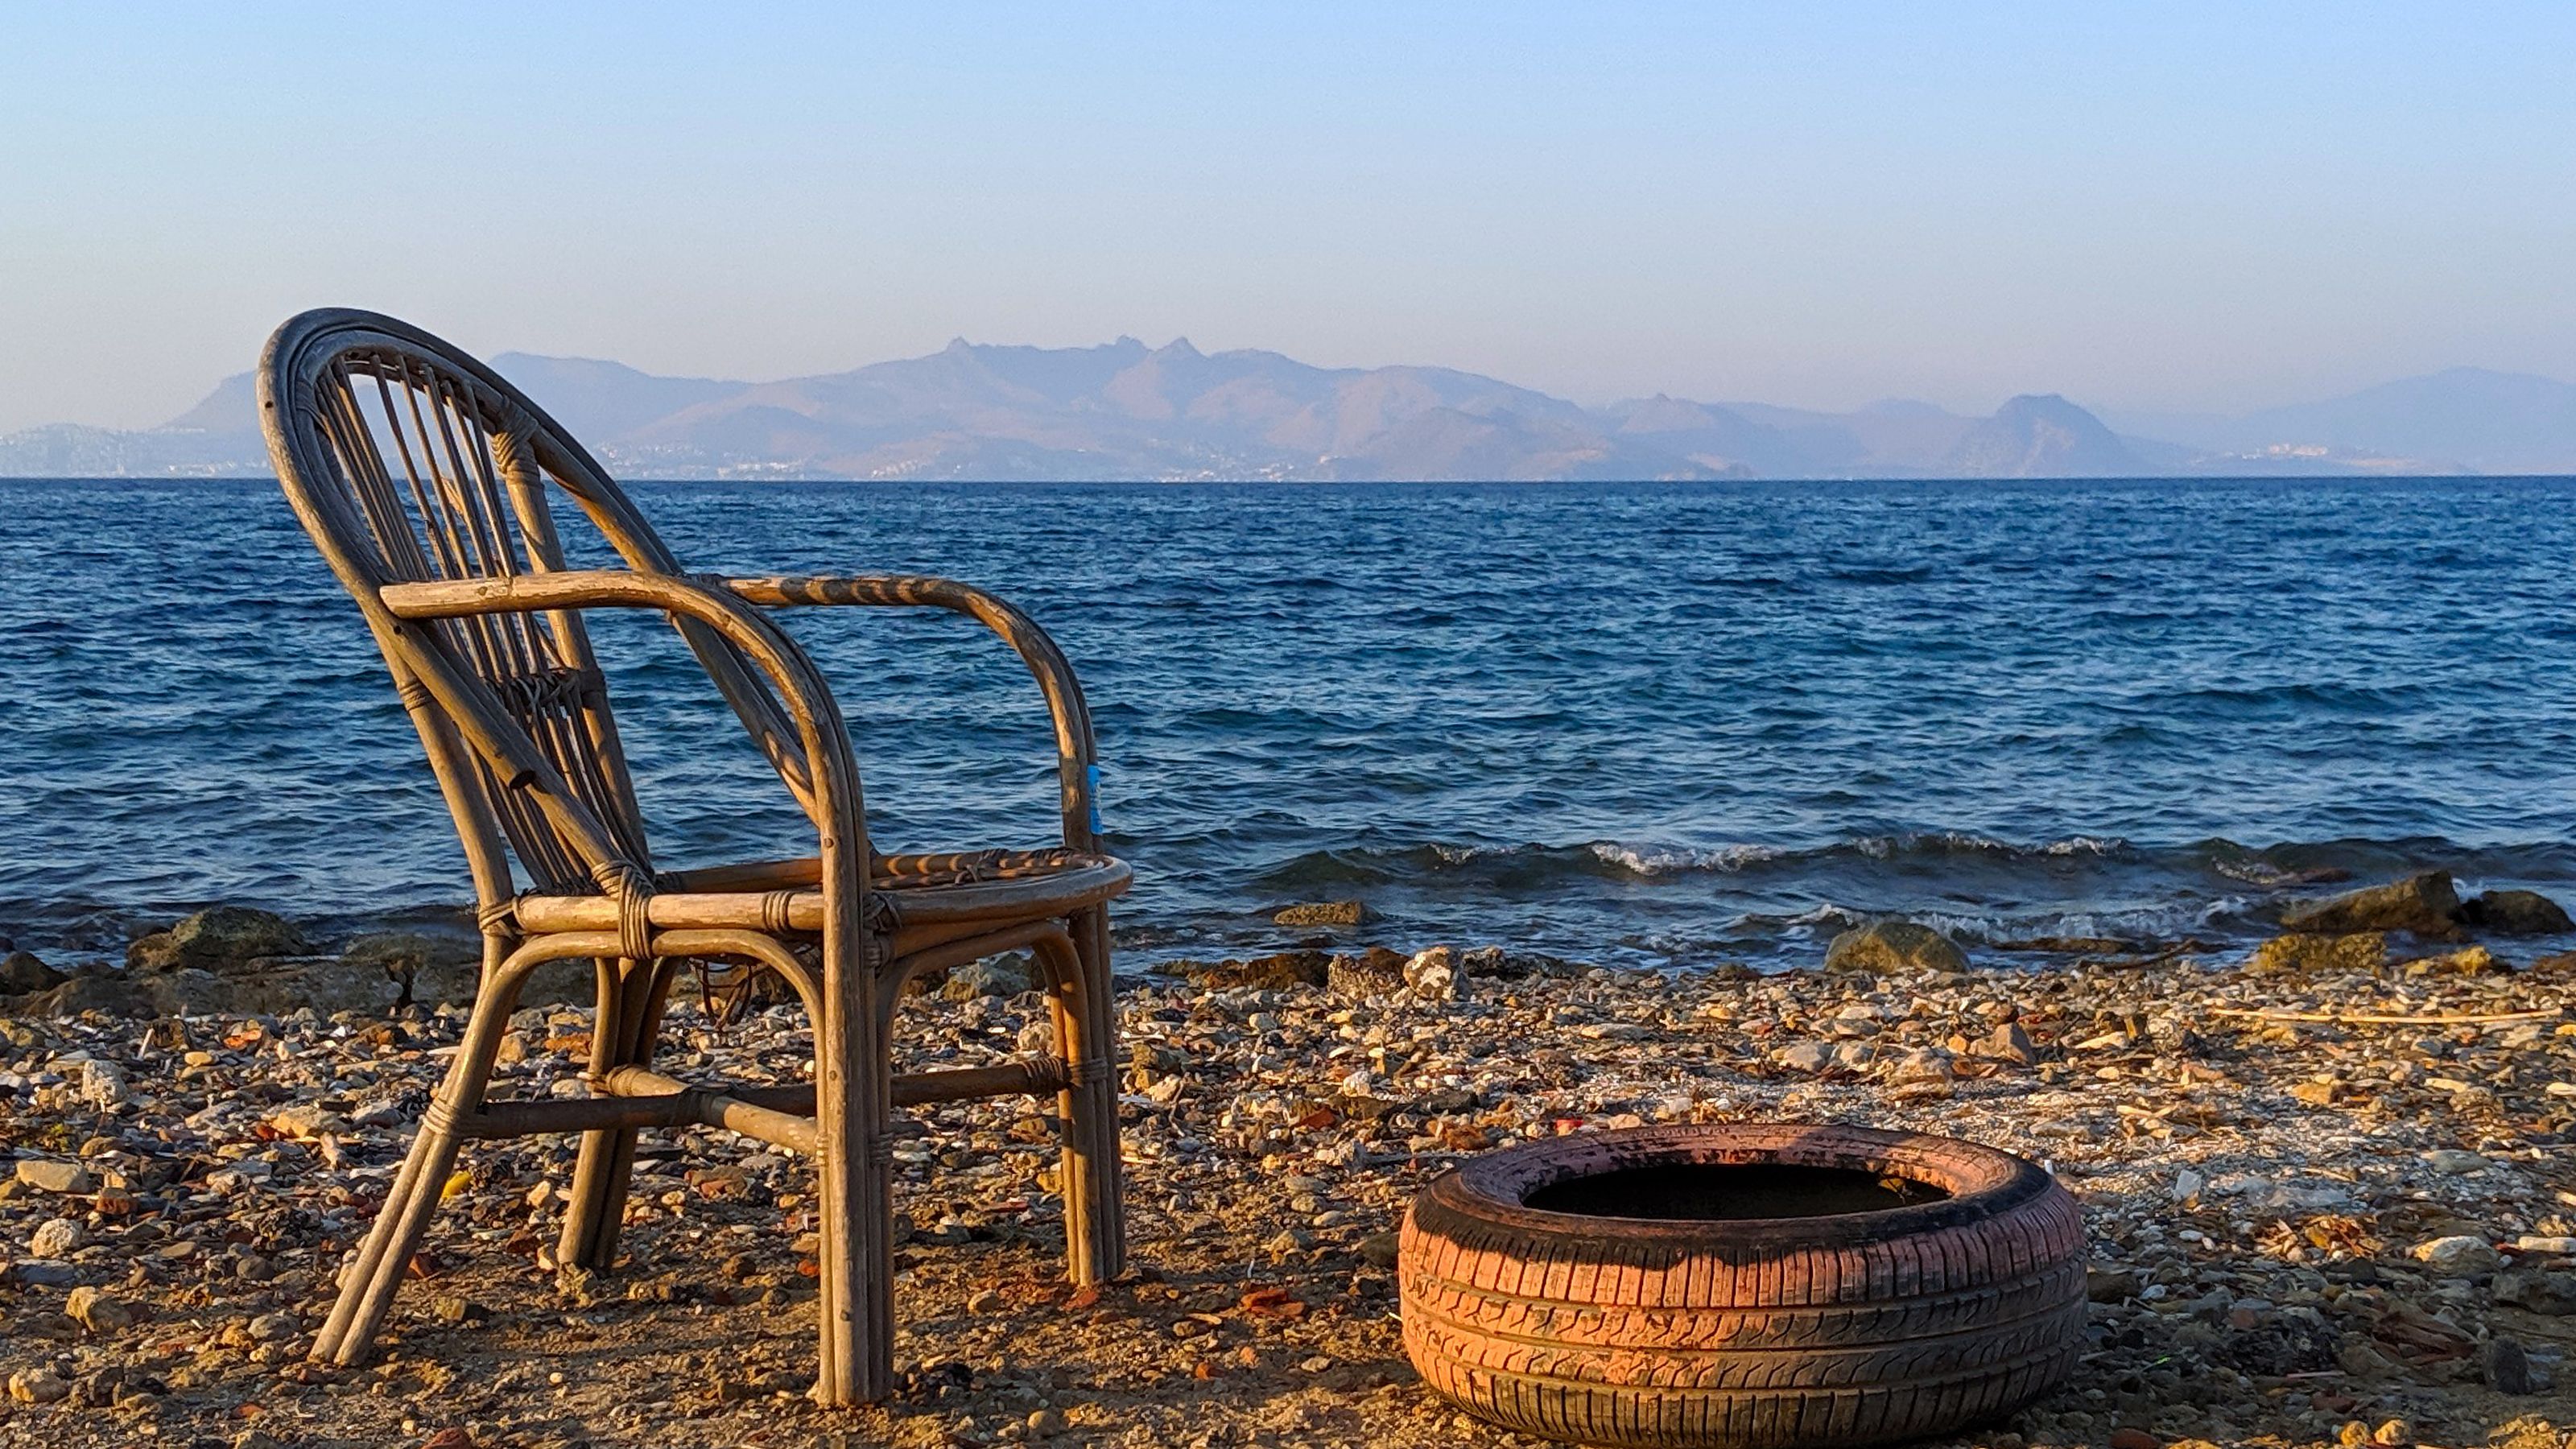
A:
[2207,207]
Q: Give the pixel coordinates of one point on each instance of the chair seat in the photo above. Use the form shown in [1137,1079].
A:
[995,886]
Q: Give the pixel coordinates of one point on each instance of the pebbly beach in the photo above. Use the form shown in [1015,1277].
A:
[2330,1186]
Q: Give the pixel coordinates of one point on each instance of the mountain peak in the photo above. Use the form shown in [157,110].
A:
[2042,435]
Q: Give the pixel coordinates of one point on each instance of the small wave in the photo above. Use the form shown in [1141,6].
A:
[1653,860]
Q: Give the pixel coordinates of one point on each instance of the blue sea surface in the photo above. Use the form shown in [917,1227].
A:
[1635,724]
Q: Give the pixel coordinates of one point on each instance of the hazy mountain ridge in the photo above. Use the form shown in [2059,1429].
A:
[1123,410]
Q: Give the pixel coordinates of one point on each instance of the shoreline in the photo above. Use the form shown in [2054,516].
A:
[2257,1191]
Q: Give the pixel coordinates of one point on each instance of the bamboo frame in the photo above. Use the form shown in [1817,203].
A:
[427,483]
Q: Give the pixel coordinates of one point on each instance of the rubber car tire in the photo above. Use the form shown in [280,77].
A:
[1851,1328]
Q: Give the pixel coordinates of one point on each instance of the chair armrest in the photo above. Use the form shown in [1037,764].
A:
[829,789]
[1078,767]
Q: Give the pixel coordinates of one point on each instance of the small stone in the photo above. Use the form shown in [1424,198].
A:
[1380,1249]
[1049,1420]
[1432,975]
[38,1386]
[56,1238]
[1323,913]
[305,1122]
[2453,1161]
[2110,1285]
[97,1312]
[2393,1432]
[103,1085]
[1923,1064]
[2008,1043]
[273,1328]
[2516,913]
[1882,947]
[1805,1056]
[987,1301]
[2506,1367]
[2457,1256]
[44,1174]
[2187,1185]
[2127,1438]
[2353,1434]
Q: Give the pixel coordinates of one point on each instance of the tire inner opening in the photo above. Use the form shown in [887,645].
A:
[1721,1192]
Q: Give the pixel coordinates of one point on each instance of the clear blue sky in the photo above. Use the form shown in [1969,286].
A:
[2159,205]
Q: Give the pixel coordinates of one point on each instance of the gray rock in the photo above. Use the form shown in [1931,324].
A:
[95,1311]
[103,1085]
[1432,975]
[215,938]
[992,976]
[1805,1056]
[2516,913]
[45,1174]
[38,1386]
[1323,913]
[1882,947]
[274,1328]
[2506,1367]
[2454,1162]
[2425,905]
[2457,1256]
[56,1238]
[2008,1043]
[2551,1292]
[21,972]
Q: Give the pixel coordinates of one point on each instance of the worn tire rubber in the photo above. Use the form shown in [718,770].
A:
[1854,1328]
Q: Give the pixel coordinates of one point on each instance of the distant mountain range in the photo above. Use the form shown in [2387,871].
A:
[1127,411]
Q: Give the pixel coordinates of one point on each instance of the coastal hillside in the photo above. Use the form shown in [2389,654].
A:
[1124,410]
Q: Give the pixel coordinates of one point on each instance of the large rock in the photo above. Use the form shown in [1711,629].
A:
[1284,971]
[2305,955]
[2421,905]
[2516,913]
[430,968]
[1374,972]
[216,938]
[21,972]
[1882,947]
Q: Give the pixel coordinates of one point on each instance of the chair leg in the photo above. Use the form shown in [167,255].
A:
[855,1184]
[367,1288]
[1085,1029]
[629,1018]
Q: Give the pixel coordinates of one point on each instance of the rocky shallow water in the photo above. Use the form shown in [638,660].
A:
[2331,1191]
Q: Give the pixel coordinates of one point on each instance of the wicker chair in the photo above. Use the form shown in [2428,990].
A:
[427,483]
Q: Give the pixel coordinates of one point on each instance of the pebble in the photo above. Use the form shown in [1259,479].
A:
[39,1386]
[2506,1366]
[103,1085]
[45,1174]
[2453,1161]
[95,1311]
[2457,1256]
[56,1238]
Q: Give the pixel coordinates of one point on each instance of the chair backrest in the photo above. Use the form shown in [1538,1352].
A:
[409,461]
